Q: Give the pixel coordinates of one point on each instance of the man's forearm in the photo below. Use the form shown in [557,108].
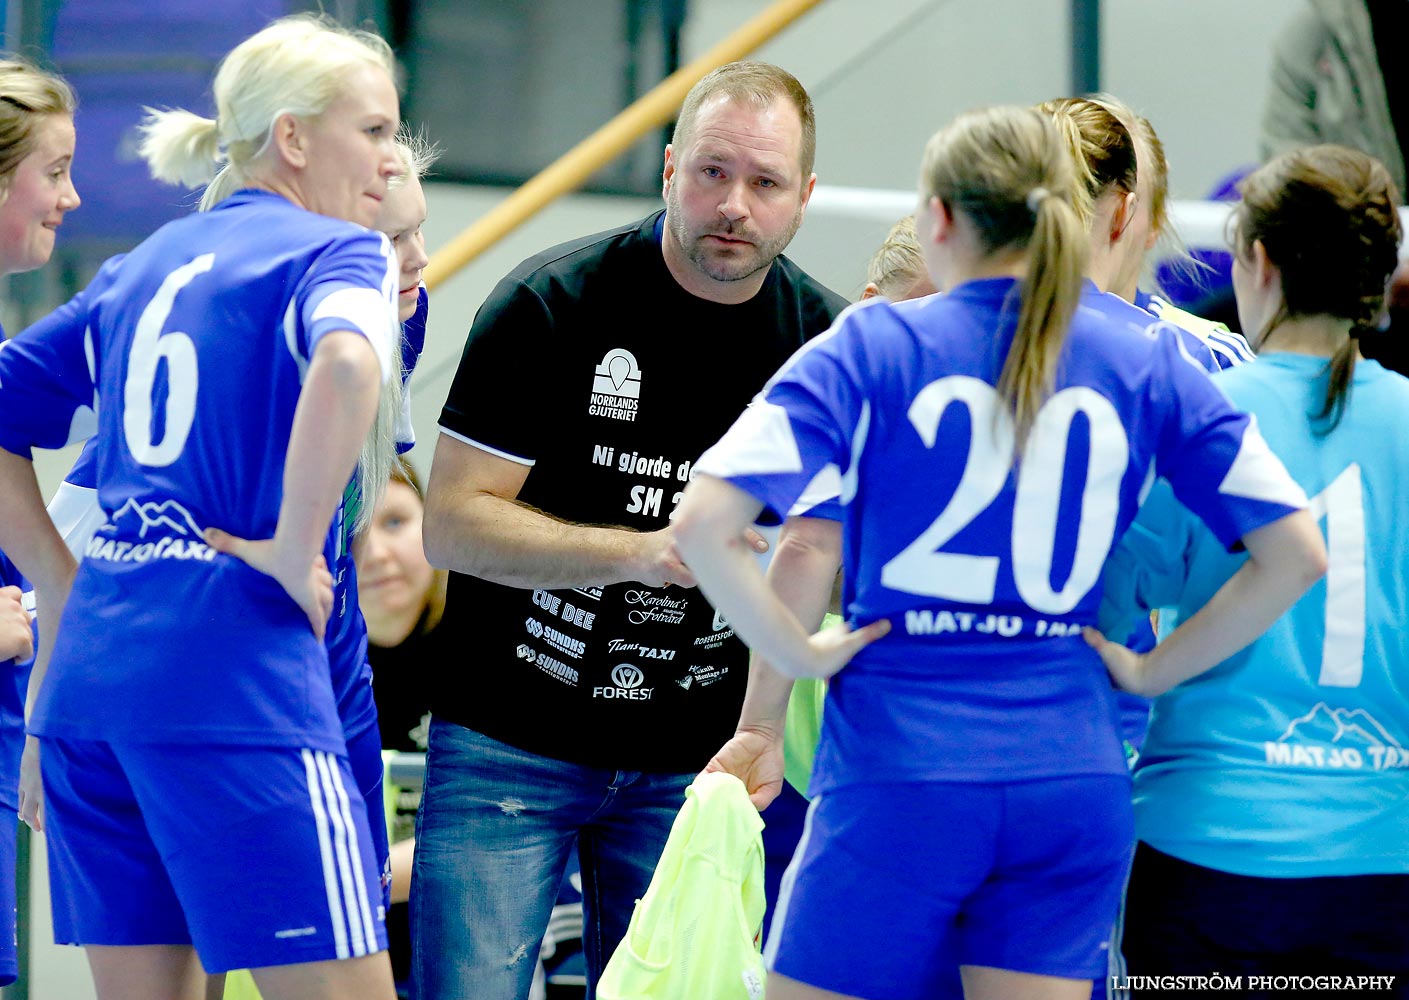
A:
[510,543]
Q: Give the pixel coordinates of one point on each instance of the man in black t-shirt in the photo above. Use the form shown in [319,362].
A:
[596,681]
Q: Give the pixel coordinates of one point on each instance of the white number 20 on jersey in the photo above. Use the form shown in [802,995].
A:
[149,346]
[920,569]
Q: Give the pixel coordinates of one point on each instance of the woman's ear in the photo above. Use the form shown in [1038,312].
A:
[287,138]
[942,218]
[870,291]
[1264,272]
[1122,216]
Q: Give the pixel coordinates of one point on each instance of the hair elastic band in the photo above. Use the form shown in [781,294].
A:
[1035,197]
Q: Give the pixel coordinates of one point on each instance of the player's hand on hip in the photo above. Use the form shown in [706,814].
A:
[16,635]
[1125,666]
[310,585]
[832,648]
[31,787]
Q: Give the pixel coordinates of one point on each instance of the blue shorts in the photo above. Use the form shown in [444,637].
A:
[364,754]
[894,887]
[9,950]
[255,855]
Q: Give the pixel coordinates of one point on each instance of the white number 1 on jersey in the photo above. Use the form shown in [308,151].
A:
[1342,504]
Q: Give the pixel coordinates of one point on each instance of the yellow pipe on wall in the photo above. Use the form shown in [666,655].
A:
[570,170]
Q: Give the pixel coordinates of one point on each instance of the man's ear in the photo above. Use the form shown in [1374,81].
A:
[667,170]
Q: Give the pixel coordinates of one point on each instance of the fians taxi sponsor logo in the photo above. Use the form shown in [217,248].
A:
[642,652]
[648,606]
[561,642]
[552,667]
[616,386]
[628,682]
[174,532]
[1337,739]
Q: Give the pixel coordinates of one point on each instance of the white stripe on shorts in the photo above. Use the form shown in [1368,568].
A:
[785,889]
[340,832]
[325,850]
[364,906]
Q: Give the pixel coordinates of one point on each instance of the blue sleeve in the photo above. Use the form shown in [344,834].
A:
[799,431]
[1214,457]
[48,376]
[351,286]
[1148,568]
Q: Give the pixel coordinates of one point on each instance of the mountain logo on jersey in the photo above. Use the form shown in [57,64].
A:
[168,514]
[1337,739]
[616,386]
[180,536]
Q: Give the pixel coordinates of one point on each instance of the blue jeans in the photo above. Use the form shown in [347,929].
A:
[493,836]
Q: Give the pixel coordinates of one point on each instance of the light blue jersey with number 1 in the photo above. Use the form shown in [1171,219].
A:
[1290,759]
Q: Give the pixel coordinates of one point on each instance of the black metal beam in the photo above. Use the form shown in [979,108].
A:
[1085,46]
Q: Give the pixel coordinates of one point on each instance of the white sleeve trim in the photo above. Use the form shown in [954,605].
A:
[1257,474]
[367,312]
[761,442]
[516,459]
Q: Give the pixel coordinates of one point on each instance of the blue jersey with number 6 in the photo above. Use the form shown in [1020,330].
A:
[987,567]
[1290,759]
[197,343]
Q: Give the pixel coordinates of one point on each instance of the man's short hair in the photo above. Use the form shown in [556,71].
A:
[759,84]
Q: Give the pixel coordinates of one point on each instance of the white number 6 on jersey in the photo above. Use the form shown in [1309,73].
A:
[149,346]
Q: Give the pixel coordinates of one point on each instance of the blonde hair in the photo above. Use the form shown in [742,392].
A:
[1102,149]
[378,460]
[417,155]
[1008,171]
[297,65]
[28,95]
[900,262]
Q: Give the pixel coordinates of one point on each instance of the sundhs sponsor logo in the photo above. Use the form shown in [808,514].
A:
[550,666]
[628,680]
[616,386]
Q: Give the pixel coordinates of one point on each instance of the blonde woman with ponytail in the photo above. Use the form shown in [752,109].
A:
[189,729]
[970,823]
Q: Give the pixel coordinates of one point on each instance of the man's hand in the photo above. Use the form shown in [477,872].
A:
[16,635]
[311,586]
[755,757]
[660,562]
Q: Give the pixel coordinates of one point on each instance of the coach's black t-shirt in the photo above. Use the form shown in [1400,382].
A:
[591,363]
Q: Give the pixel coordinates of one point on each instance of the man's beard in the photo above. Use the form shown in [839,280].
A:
[741,263]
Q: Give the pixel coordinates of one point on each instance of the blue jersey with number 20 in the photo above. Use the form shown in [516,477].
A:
[986,567]
[197,343]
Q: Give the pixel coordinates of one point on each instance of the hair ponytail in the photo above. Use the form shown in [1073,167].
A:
[1009,171]
[1050,292]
